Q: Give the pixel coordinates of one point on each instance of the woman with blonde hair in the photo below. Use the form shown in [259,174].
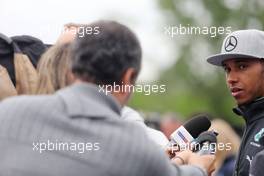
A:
[54,66]
[228,145]
[54,69]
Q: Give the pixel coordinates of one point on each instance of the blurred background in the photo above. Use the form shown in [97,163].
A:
[179,62]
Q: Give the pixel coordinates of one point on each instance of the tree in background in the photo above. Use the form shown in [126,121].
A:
[192,85]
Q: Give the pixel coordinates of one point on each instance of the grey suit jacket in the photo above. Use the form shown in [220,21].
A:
[77,132]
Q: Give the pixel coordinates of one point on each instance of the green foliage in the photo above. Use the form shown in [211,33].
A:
[188,91]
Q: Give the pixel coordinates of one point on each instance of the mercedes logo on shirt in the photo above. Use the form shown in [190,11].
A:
[230,43]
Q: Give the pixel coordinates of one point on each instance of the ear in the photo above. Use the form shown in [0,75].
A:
[70,77]
[262,64]
[129,77]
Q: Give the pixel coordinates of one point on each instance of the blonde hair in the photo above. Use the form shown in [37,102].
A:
[226,136]
[54,69]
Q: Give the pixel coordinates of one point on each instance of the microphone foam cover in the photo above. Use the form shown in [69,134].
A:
[197,125]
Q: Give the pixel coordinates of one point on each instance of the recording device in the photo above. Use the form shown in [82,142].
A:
[205,143]
[189,131]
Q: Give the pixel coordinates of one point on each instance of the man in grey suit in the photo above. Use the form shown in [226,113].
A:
[78,131]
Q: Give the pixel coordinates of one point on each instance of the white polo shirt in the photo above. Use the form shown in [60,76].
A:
[158,137]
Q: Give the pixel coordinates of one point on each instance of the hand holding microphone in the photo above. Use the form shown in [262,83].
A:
[202,153]
[185,134]
[187,157]
[192,134]
[205,143]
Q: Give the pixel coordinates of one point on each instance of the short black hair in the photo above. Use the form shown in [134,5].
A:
[104,56]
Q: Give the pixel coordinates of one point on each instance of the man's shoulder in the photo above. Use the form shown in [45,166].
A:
[27,99]
[28,102]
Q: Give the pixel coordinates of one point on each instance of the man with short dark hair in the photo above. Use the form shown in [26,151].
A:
[112,57]
[72,30]
[242,59]
[78,131]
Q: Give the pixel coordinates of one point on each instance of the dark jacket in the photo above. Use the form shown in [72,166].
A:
[253,113]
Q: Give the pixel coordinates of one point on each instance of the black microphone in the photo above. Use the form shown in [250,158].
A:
[189,131]
[205,143]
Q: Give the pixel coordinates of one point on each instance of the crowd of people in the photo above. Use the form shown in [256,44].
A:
[51,105]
